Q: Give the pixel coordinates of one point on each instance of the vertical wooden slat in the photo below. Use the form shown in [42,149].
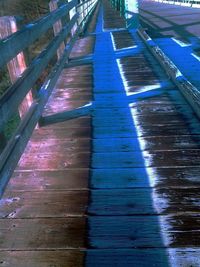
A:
[17,65]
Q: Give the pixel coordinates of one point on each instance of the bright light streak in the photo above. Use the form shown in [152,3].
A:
[195,56]
[182,44]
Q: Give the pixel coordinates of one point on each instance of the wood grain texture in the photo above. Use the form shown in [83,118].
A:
[51,258]
[49,180]
[144,231]
[139,201]
[49,233]
[143,257]
[44,204]
[134,177]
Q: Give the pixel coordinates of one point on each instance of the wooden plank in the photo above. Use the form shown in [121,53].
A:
[82,122]
[37,234]
[144,231]
[134,177]
[51,258]
[82,50]
[49,180]
[141,121]
[123,39]
[149,159]
[144,201]
[155,257]
[147,143]
[62,105]
[70,145]
[61,133]
[151,107]
[162,129]
[54,161]
[43,204]
[17,42]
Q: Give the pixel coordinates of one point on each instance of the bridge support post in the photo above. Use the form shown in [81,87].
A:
[17,65]
[132,16]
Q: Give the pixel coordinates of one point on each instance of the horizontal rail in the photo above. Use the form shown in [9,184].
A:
[20,40]
[91,7]
[190,92]
[189,3]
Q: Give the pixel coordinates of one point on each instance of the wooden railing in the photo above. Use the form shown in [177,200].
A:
[78,15]
[189,3]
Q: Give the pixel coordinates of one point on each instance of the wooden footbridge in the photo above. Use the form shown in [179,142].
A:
[104,167]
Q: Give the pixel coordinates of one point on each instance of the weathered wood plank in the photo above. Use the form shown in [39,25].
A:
[156,257]
[144,231]
[63,105]
[43,204]
[51,258]
[146,201]
[147,158]
[130,131]
[147,143]
[155,177]
[142,121]
[54,161]
[35,234]
[61,133]
[49,180]
[123,39]
[82,49]
[68,145]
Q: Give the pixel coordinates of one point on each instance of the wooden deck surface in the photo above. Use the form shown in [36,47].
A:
[118,186]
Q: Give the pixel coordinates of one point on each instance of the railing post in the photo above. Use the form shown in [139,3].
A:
[71,14]
[57,27]
[132,20]
[17,65]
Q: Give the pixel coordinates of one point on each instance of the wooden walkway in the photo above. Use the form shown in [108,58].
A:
[117,185]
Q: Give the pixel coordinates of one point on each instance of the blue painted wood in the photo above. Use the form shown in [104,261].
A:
[147,257]
[134,177]
[135,202]
[114,170]
[143,231]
